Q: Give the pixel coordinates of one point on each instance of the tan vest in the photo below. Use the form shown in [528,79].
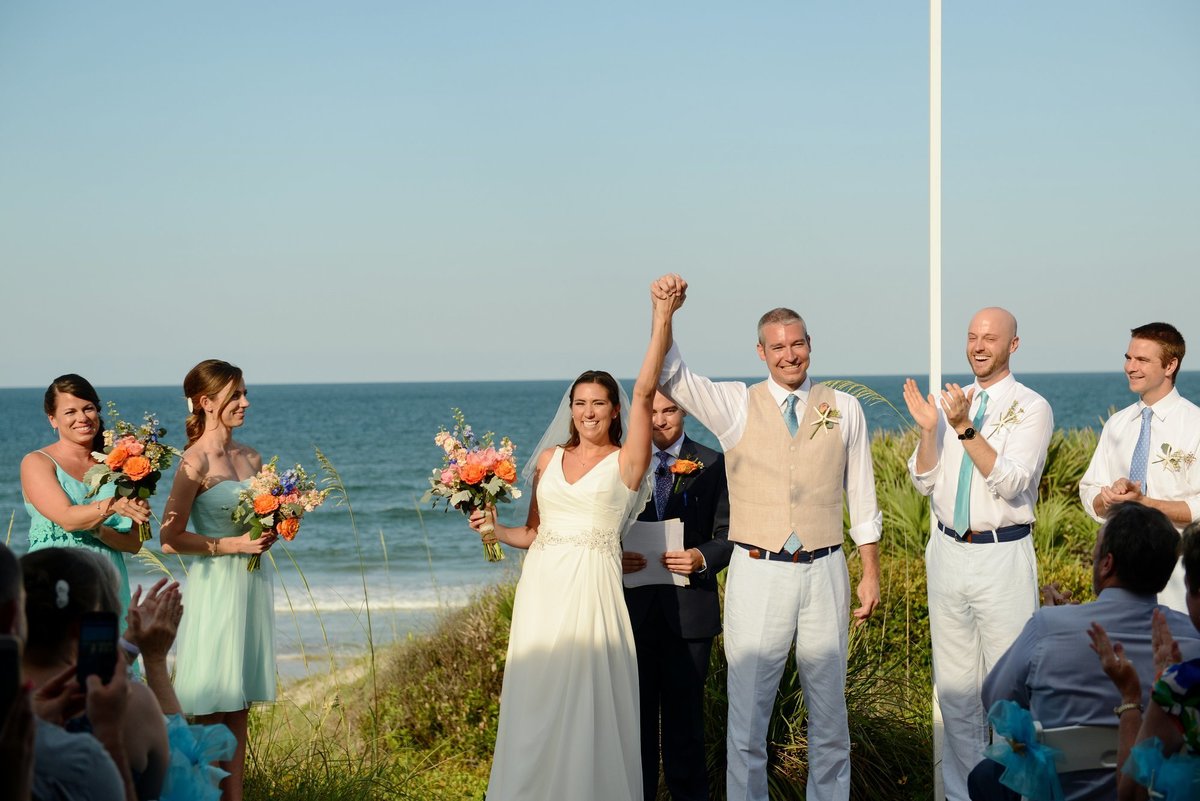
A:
[779,483]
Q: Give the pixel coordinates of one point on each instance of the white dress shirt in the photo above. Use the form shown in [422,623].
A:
[1175,425]
[723,407]
[1018,424]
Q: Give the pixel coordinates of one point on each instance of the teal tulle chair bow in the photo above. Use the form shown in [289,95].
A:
[191,776]
[1028,764]
[1173,778]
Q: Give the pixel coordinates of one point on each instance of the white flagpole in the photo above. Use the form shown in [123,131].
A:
[935,291]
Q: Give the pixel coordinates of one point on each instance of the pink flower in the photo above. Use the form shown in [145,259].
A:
[131,445]
[449,477]
[486,458]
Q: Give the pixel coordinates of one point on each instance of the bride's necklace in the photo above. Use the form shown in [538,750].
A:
[588,461]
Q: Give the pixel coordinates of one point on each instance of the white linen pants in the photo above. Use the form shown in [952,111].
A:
[980,596]
[767,605]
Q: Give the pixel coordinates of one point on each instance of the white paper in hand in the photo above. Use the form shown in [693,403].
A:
[652,539]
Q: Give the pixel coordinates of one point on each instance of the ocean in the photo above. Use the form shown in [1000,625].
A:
[385,550]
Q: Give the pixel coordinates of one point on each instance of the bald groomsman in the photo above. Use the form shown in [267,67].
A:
[1146,451]
[980,460]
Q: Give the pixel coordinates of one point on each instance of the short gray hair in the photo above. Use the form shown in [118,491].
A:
[779,316]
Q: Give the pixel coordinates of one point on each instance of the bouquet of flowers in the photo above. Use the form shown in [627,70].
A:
[275,502]
[474,474]
[134,459]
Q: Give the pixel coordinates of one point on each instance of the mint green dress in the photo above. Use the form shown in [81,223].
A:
[226,644]
[45,533]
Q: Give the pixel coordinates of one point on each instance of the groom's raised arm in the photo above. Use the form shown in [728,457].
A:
[718,406]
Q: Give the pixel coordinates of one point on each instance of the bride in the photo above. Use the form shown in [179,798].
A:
[569,704]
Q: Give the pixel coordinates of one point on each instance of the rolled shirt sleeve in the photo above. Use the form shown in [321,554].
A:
[866,521]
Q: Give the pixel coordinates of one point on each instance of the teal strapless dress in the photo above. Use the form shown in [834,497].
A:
[45,533]
[225,656]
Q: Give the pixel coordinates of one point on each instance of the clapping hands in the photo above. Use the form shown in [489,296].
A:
[1116,665]
[152,622]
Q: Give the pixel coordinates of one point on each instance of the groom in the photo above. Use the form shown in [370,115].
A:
[793,450]
[673,627]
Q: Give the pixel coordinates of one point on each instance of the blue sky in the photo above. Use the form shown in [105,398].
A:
[426,191]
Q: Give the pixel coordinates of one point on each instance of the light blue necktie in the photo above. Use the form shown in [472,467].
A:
[662,483]
[966,472]
[1141,451]
[789,414]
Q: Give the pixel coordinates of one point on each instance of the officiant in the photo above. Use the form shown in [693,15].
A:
[674,626]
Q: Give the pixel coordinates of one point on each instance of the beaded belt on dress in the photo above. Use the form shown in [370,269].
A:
[597,539]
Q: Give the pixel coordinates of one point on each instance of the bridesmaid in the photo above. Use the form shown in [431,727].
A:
[226,645]
[61,515]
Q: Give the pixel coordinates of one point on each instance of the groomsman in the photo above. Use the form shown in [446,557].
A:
[980,459]
[792,448]
[1146,450]
[674,627]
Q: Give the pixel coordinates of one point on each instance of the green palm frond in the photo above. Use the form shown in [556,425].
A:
[867,395]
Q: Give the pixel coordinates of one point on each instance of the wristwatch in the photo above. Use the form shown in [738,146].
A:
[968,434]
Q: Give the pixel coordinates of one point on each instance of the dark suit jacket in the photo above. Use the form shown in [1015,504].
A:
[702,502]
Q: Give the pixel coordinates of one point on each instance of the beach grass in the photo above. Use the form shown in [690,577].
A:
[418,719]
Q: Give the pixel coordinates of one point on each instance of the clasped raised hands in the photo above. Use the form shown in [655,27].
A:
[668,293]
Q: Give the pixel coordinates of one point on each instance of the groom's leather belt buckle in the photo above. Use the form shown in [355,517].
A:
[1002,534]
[800,557]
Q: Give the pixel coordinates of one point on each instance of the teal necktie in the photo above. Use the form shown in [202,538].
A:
[789,414]
[1141,451]
[966,471]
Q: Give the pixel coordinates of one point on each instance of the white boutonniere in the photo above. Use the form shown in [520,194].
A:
[827,417]
[1012,417]
[1175,461]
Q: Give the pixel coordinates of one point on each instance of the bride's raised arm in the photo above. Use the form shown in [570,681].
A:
[635,453]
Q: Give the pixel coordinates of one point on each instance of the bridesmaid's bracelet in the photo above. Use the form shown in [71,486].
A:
[212,546]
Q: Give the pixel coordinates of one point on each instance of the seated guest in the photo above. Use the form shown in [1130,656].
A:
[61,585]
[68,765]
[16,718]
[1050,669]
[1173,713]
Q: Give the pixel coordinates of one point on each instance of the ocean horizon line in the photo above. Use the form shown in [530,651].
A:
[627,379]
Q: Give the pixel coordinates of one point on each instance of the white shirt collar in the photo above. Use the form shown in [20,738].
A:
[780,394]
[1163,407]
[673,449]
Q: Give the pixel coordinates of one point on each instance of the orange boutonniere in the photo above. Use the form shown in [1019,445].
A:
[827,417]
[685,466]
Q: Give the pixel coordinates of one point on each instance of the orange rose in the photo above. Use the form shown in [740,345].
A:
[506,471]
[684,467]
[265,504]
[472,473]
[116,457]
[136,467]
[288,527]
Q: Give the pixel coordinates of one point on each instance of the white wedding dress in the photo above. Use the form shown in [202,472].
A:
[569,706]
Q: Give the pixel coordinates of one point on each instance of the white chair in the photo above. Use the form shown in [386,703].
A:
[1082,747]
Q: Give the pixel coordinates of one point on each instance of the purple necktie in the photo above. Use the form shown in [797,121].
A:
[662,483]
